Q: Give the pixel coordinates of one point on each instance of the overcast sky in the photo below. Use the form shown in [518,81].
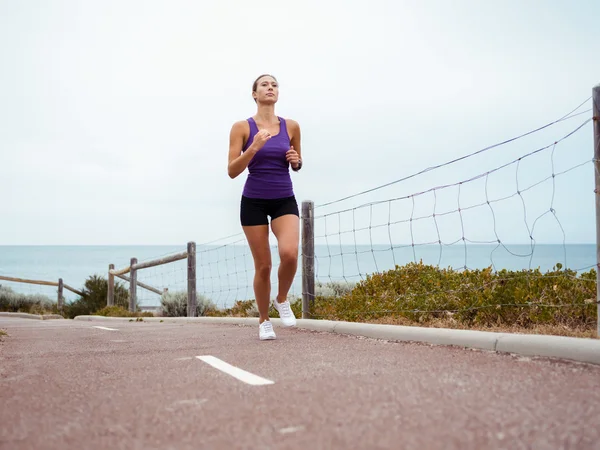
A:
[115,115]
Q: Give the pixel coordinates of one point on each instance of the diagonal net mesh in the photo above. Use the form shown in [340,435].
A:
[225,273]
[502,245]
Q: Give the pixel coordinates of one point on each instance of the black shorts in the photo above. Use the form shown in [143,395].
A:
[255,211]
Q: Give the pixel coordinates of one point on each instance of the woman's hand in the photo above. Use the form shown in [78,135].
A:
[260,139]
[292,157]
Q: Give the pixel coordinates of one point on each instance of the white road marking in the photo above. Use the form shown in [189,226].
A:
[185,358]
[105,328]
[235,372]
[291,430]
[192,402]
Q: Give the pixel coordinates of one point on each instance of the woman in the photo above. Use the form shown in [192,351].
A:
[268,146]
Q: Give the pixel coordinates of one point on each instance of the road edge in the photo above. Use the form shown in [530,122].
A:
[561,347]
[30,316]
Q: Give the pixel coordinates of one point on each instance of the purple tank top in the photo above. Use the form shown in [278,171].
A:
[269,174]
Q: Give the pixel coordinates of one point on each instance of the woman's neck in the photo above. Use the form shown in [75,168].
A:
[265,114]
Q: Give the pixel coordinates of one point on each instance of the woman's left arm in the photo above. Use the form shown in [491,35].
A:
[294,130]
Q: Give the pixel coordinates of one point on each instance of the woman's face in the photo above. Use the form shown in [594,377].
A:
[267,90]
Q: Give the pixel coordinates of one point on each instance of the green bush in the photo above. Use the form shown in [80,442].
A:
[12,301]
[422,293]
[174,304]
[95,294]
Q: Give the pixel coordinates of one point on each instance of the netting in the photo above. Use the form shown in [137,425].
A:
[512,231]
[225,271]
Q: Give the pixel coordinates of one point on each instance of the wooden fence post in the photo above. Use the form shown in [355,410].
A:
[60,295]
[191,279]
[132,285]
[110,300]
[596,114]
[308,258]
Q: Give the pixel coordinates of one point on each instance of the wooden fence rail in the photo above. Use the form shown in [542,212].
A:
[59,284]
[140,284]
[133,268]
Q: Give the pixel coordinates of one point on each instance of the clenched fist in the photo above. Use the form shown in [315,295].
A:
[292,157]
[260,140]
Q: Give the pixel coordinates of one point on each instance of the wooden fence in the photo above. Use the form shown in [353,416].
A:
[133,268]
[61,286]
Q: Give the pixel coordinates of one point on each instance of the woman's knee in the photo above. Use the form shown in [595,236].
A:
[263,269]
[288,255]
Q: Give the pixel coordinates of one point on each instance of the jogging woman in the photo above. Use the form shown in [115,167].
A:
[268,146]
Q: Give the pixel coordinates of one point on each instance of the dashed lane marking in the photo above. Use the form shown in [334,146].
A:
[236,372]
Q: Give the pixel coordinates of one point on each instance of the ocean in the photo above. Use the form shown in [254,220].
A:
[224,272]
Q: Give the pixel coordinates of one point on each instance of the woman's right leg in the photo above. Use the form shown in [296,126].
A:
[258,240]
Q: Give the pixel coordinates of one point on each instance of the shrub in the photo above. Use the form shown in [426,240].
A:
[95,294]
[174,304]
[333,288]
[12,301]
[241,308]
[119,311]
[423,293]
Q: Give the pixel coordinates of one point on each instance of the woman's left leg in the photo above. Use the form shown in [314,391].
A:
[286,229]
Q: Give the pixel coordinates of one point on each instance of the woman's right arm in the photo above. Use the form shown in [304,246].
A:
[238,161]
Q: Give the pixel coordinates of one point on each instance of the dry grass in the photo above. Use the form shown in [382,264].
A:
[119,311]
[558,302]
[545,329]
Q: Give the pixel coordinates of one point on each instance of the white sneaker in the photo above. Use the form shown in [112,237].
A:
[285,313]
[265,331]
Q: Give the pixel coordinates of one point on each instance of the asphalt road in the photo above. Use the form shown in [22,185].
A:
[71,385]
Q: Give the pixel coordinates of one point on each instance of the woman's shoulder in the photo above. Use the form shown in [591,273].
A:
[240,126]
[291,123]
[242,122]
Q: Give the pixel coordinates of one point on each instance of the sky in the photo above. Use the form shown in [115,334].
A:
[115,115]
